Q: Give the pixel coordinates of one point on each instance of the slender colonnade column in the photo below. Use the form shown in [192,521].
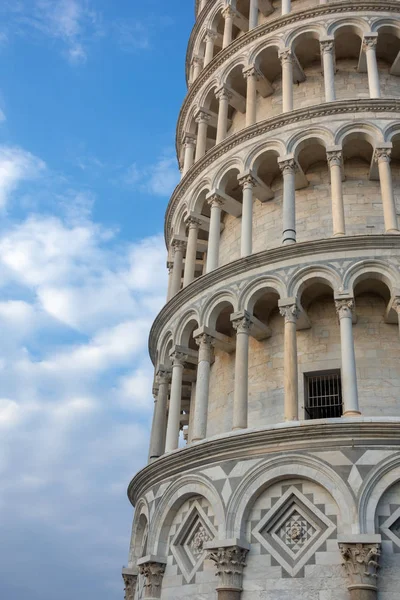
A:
[344,309]
[250,75]
[334,158]
[286,59]
[197,65]
[288,168]
[382,157]
[291,314]
[190,145]
[286,7]
[204,343]
[253,14]
[396,307]
[242,325]
[157,443]
[215,203]
[223,96]
[247,184]
[369,46]
[191,250]
[178,248]
[174,413]
[209,39]
[170,267]
[327,50]
[202,120]
[228,13]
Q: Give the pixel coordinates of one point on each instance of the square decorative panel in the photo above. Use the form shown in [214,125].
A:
[293,530]
[187,546]
[391,527]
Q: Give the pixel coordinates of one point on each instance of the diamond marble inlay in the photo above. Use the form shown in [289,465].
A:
[391,527]
[293,530]
[187,546]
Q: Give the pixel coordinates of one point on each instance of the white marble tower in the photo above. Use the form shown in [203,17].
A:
[274,463]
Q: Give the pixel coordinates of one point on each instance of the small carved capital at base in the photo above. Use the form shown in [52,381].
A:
[230,562]
[130,580]
[361,562]
[153,573]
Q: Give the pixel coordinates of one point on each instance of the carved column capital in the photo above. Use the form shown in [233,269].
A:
[361,562]
[210,35]
[193,222]
[215,200]
[345,307]
[130,581]
[382,155]
[285,56]
[369,42]
[287,166]
[242,323]
[153,573]
[250,72]
[197,60]
[327,46]
[247,181]
[189,140]
[230,563]
[396,304]
[202,117]
[178,245]
[334,158]
[291,313]
[223,93]
[163,375]
[229,12]
[178,358]
[205,343]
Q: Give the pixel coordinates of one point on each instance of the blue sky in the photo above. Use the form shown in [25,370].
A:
[89,95]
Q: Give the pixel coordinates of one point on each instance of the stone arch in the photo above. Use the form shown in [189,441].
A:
[383,476]
[392,130]
[300,140]
[238,61]
[314,31]
[355,24]
[173,498]
[256,288]
[374,269]
[208,93]
[234,164]
[178,223]
[385,23]
[140,531]
[255,155]
[198,196]
[275,42]
[313,274]
[187,324]
[284,467]
[167,341]
[215,305]
[367,131]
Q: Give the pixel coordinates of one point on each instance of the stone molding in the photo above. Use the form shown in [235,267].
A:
[295,436]
[262,128]
[278,23]
[266,258]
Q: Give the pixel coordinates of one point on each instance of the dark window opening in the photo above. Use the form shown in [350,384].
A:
[323,395]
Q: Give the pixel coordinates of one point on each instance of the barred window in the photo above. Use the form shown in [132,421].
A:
[323,395]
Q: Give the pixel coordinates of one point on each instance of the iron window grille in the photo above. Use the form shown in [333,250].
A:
[323,395]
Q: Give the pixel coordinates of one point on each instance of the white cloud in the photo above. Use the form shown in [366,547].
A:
[16,165]
[159,179]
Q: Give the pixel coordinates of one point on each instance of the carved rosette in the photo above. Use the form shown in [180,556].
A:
[205,344]
[242,324]
[153,574]
[382,155]
[291,313]
[344,308]
[130,585]
[361,562]
[230,563]
[334,158]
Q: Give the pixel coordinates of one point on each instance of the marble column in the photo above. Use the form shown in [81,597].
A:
[369,47]
[170,267]
[174,413]
[250,75]
[247,184]
[240,395]
[382,157]
[189,145]
[153,573]
[328,60]
[396,307]
[202,120]
[193,225]
[130,581]
[288,168]
[361,564]
[286,7]
[228,13]
[204,343]
[209,39]
[215,203]
[230,563]
[197,65]
[286,59]
[223,96]
[178,248]
[291,314]
[157,440]
[253,14]
[334,158]
[344,309]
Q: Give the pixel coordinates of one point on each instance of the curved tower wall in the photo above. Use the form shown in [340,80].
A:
[274,466]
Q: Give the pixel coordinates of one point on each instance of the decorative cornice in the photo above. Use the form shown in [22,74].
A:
[280,21]
[264,127]
[262,259]
[301,436]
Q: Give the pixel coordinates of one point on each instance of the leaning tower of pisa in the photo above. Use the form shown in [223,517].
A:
[274,463]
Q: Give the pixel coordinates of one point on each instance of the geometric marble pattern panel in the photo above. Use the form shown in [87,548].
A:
[187,546]
[391,527]
[293,530]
